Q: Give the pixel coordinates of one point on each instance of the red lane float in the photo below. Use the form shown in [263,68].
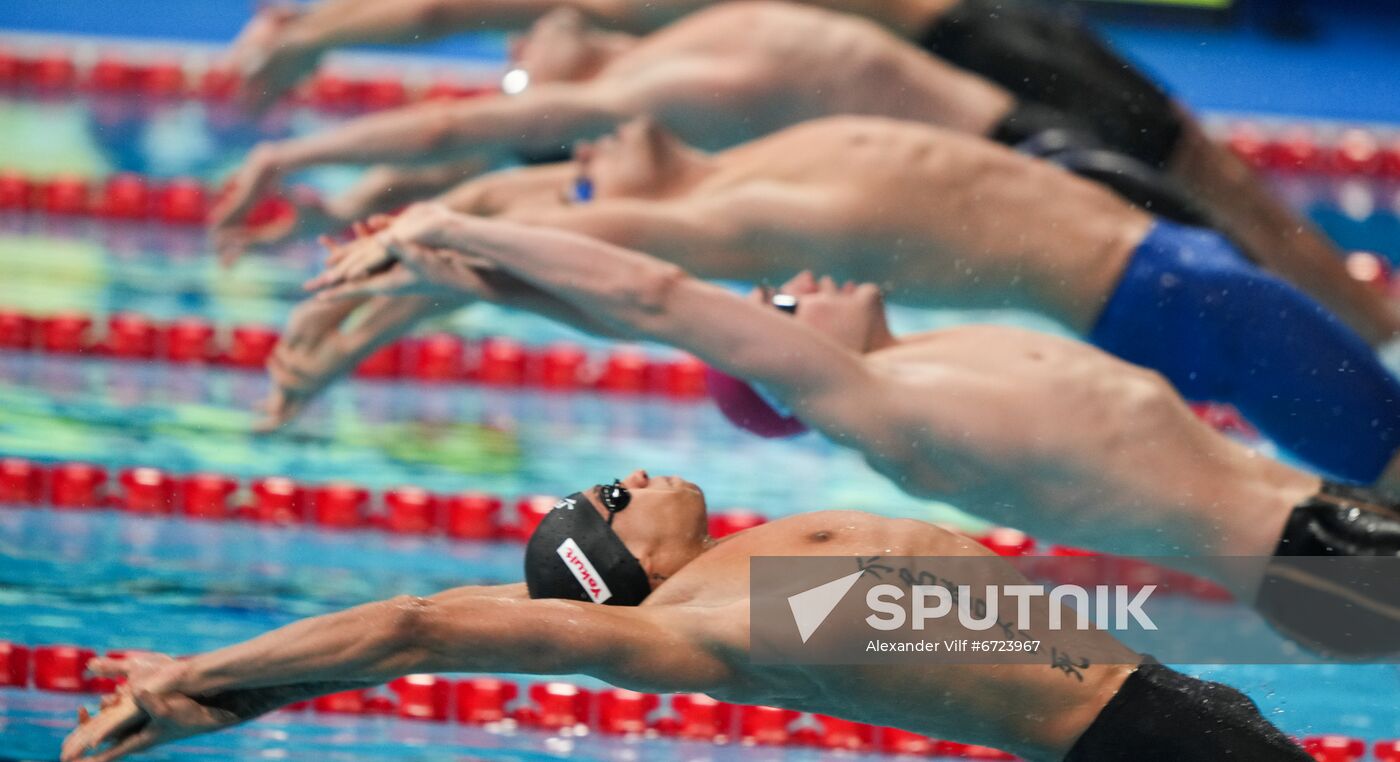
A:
[624,712]
[131,336]
[562,367]
[189,340]
[530,511]
[14,665]
[473,516]
[483,700]
[725,524]
[903,742]
[1008,542]
[21,482]
[1387,751]
[61,668]
[422,697]
[278,500]
[345,702]
[624,372]
[17,330]
[410,510]
[77,485]
[557,706]
[766,725]
[16,192]
[1335,748]
[207,496]
[65,333]
[502,363]
[439,357]
[251,346]
[66,195]
[837,733]
[147,490]
[698,717]
[339,505]
[565,707]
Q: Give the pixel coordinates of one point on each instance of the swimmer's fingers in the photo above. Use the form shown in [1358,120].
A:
[446,269]
[103,667]
[280,408]
[110,725]
[396,282]
[313,322]
[379,222]
[354,260]
[259,173]
[136,742]
[801,284]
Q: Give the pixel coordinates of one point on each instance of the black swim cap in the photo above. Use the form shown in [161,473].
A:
[575,555]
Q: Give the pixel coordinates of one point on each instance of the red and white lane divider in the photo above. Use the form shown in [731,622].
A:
[435,358]
[281,501]
[178,75]
[1288,147]
[557,707]
[1302,148]
[562,707]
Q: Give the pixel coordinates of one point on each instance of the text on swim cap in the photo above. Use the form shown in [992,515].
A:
[583,571]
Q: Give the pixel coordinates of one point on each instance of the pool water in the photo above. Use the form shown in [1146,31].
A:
[104,580]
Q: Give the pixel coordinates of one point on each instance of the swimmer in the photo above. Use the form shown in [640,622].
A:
[677,620]
[1025,429]
[740,70]
[940,218]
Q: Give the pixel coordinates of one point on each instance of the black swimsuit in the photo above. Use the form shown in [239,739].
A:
[1345,610]
[1048,56]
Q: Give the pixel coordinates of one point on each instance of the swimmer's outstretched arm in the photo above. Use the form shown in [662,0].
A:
[824,383]
[280,46]
[762,231]
[647,648]
[544,119]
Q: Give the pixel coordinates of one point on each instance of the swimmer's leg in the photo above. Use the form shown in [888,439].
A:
[1276,237]
[1303,377]
[1221,329]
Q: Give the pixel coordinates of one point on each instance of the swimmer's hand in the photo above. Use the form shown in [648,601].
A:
[130,722]
[270,57]
[260,174]
[308,217]
[400,259]
[312,352]
[317,347]
[145,711]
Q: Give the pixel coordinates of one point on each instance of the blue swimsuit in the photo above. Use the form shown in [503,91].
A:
[1191,307]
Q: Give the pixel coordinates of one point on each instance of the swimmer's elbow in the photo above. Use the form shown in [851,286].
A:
[651,295]
[408,626]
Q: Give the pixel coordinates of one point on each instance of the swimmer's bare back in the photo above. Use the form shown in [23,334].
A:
[933,216]
[1046,434]
[725,75]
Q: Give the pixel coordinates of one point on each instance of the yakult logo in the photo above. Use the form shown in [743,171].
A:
[583,571]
